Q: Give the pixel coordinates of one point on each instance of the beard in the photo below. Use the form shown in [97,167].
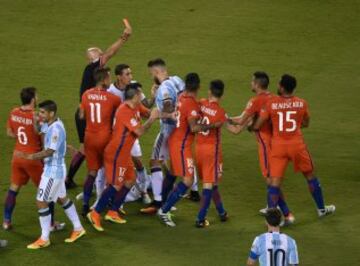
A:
[157,81]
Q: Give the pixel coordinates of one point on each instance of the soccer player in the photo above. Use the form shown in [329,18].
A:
[166,98]
[288,114]
[180,145]
[22,125]
[52,184]
[273,247]
[259,85]
[98,107]
[119,167]
[97,59]
[209,152]
[123,78]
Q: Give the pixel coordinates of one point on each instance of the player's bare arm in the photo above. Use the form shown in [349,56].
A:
[250,262]
[10,133]
[114,48]
[234,129]
[168,106]
[149,102]
[35,156]
[195,127]
[241,119]
[258,123]
[306,122]
[154,115]
[81,113]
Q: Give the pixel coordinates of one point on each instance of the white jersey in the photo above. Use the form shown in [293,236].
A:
[55,139]
[121,92]
[274,249]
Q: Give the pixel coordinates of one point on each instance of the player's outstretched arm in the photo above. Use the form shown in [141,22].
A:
[34,156]
[154,115]
[112,50]
[234,129]
[258,123]
[149,102]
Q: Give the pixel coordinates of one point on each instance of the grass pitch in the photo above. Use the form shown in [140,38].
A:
[43,44]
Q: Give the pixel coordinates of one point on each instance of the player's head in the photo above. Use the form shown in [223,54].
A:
[216,88]
[102,77]
[28,96]
[157,68]
[192,82]
[123,74]
[273,217]
[287,85]
[93,53]
[133,93]
[47,110]
[260,81]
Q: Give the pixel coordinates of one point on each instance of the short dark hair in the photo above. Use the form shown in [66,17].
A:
[217,88]
[262,79]
[131,90]
[156,62]
[273,216]
[49,106]
[27,94]
[120,68]
[100,74]
[192,82]
[288,82]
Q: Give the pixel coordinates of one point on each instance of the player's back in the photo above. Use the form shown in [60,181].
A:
[187,107]
[275,249]
[211,112]
[254,108]
[287,115]
[99,107]
[122,139]
[22,124]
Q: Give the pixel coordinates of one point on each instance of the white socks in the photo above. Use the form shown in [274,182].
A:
[45,223]
[71,213]
[156,183]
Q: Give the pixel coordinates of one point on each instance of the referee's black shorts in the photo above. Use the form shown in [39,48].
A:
[80,126]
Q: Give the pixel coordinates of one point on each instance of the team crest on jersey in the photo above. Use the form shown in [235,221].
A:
[54,139]
[133,122]
[193,113]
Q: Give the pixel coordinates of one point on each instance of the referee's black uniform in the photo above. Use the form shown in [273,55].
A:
[87,82]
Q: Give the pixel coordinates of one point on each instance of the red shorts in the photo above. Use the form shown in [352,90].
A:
[209,163]
[282,154]
[182,162]
[264,150]
[119,170]
[22,170]
[94,146]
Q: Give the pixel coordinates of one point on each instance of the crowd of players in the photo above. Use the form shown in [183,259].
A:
[188,145]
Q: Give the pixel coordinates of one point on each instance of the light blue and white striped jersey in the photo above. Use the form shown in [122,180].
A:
[55,139]
[274,249]
[169,89]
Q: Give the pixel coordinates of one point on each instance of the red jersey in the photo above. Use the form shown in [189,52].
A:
[126,121]
[22,123]
[253,108]
[286,115]
[187,108]
[211,112]
[99,107]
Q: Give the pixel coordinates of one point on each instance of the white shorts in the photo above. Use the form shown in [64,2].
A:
[160,148]
[133,195]
[136,149]
[50,189]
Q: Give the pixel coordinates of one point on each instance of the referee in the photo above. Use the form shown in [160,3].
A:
[97,59]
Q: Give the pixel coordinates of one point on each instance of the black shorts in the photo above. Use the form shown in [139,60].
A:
[80,126]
